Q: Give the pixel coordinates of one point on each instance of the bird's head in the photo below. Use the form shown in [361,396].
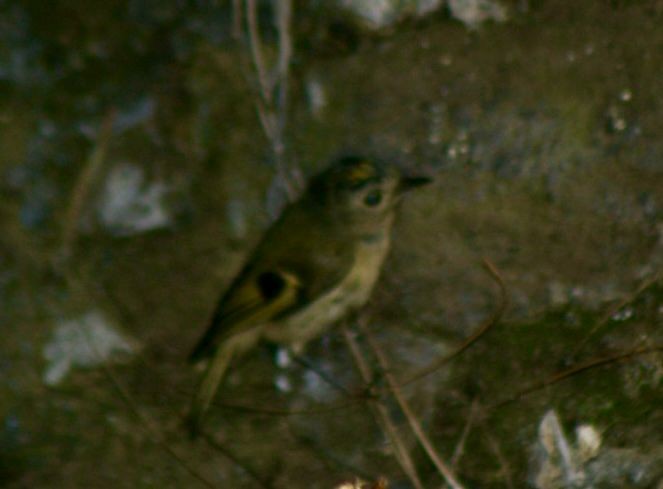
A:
[363,192]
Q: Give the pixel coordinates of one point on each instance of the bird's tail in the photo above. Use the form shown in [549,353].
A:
[212,377]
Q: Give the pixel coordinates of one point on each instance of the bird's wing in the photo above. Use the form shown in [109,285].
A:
[297,261]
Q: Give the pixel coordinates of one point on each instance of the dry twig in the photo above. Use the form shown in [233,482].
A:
[614,310]
[492,321]
[412,420]
[148,425]
[577,369]
[212,442]
[273,108]
[382,414]
[505,468]
[83,186]
[255,44]
[460,446]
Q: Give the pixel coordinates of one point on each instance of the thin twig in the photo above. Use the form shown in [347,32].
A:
[460,446]
[612,311]
[353,401]
[283,21]
[505,468]
[266,118]
[282,74]
[382,414]
[147,424]
[492,321]
[337,463]
[272,111]
[577,369]
[322,375]
[444,469]
[84,184]
[260,411]
[255,45]
[212,442]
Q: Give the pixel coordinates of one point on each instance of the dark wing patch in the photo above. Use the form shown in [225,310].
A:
[281,279]
[251,301]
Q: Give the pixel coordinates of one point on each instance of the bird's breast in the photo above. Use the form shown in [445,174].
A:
[352,292]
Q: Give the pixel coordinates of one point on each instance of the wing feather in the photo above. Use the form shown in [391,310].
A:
[245,307]
[300,257]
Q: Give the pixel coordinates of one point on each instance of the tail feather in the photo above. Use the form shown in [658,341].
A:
[214,373]
[212,378]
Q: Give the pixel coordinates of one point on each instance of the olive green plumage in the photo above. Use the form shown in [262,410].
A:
[318,262]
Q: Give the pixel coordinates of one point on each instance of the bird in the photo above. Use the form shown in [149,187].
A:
[316,264]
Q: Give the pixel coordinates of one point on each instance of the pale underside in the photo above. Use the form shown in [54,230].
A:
[352,293]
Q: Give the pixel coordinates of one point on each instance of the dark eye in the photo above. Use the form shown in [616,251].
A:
[271,284]
[373,198]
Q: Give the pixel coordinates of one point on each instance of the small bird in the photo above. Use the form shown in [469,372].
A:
[317,263]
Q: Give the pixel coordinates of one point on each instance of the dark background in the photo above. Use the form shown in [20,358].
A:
[136,176]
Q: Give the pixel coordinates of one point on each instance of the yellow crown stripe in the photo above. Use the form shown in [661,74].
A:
[361,172]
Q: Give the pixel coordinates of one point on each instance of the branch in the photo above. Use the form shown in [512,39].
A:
[501,459]
[273,113]
[460,446]
[147,425]
[492,321]
[209,439]
[256,51]
[412,420]
[382,413]
[83,186]
[575,370]
[614,310]
[284,19]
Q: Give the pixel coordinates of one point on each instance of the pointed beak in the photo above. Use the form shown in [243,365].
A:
[407,183]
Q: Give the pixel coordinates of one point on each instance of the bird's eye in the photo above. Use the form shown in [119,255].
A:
[373,198]
[271,284]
